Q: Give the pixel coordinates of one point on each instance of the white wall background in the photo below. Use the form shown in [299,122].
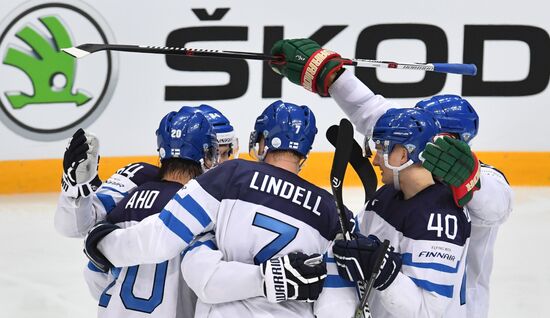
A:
[128,123]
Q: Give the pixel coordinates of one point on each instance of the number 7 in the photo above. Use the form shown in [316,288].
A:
[286,233]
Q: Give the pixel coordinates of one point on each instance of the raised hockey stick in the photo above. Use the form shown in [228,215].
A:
[85,49]
[359,163]
[338,171]
[342,153]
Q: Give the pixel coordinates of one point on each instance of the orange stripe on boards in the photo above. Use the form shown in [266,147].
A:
[520,168]
[29,176]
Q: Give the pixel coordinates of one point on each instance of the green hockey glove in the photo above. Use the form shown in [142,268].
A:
[306,63]
[453,161]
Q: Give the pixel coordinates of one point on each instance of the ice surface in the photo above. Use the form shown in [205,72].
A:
[41,271]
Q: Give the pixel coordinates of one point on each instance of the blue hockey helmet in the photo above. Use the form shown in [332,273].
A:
[187,134]
[412,128]
[222,127]
[284,126]
[455,115]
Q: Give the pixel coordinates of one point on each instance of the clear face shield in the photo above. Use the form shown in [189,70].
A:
[228,146]
[367,153]
[210,158]
[254,144]
[383,147]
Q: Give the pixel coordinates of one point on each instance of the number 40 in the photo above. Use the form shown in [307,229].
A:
[451,228]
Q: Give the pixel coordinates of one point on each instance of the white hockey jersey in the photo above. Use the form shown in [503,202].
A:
[432,234]
[489,207]
[145,290]
[258,212]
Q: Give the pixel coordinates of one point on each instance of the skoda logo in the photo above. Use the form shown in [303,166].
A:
[45,93]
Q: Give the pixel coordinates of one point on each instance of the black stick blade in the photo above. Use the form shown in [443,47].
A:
[339,164]
[360,164]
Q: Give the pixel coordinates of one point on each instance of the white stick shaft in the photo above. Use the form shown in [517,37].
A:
[394,65]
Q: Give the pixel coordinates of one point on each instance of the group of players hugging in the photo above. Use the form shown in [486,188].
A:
[209,235]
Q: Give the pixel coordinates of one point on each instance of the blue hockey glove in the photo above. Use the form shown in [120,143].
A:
[355,260]
[96,234]
[296,276]
[80,165]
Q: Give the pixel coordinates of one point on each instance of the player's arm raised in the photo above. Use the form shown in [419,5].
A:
[78,209]
[320,71]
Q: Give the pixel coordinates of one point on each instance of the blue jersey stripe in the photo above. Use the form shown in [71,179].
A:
[107,201]
[176,226]
[114,190]
[210,244]
[194,208]
[335,281]
[93,268]
[463,290]
[443,290]
[407,260]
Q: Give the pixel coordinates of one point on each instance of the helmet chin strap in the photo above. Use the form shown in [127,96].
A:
[395,170]
[257,155]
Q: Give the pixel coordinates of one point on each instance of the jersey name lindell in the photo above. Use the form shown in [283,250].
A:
[286,190]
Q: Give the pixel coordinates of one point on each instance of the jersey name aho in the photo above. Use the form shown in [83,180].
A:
[154,290]
[124,181]
[257,212]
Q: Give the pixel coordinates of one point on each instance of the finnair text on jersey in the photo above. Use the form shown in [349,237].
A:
[286,190]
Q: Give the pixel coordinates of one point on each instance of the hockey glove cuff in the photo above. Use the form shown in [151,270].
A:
[95,235]
[306,63]
[296,276]
[80,165]
[79,190]
[452,160]
[355,260]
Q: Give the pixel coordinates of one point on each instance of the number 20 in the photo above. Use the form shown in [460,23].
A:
[450,233]
[175,133]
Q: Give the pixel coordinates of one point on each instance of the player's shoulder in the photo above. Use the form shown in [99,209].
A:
[131,176]
[239,173]
[140,172]
[493,172]
[147,199]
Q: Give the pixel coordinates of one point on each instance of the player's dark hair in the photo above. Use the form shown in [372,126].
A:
[180,168]
[277,152]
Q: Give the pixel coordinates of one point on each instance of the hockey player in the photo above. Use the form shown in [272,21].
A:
[489,207]
[259,211]
[422,276]
[84,200]
[363,107]
[321,71]
[187,147]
